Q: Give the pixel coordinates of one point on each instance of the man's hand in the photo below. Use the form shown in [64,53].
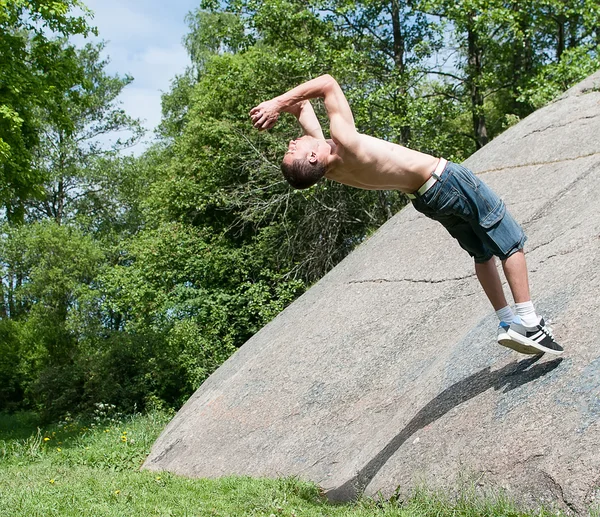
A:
[265,114]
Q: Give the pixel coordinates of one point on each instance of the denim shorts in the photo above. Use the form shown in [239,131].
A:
[473,214]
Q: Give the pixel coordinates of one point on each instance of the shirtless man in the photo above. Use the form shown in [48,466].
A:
[444,191]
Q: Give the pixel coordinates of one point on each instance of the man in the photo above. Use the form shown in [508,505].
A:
[444,191]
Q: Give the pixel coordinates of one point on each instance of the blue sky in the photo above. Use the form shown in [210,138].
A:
[143,38]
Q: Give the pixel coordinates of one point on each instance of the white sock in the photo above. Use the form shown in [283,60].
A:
[527,313]
[505,314]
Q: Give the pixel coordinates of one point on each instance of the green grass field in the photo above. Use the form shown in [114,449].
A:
[75,469]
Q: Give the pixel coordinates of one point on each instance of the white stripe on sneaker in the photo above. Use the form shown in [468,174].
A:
[539,336]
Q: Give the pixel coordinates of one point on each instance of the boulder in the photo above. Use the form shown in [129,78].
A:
[386,374]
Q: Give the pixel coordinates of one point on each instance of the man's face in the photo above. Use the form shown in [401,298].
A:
[306,147]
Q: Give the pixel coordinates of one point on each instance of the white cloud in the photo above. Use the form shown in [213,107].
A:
[161,65]
[151,68]
[127,21]
[123,25]
[141,104]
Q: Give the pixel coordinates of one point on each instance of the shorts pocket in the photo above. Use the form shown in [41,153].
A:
[494,216]
[447,200]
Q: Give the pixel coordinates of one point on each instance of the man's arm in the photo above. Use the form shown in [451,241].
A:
[307,118]
[340,116]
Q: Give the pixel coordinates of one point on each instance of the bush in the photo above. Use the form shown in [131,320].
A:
[11,382]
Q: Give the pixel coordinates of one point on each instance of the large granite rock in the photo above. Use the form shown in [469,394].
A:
[386,373]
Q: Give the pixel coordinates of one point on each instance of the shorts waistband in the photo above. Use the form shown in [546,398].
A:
[435,176]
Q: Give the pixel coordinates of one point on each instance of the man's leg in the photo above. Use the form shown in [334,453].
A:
[487,274]
[515,270]
[528,329]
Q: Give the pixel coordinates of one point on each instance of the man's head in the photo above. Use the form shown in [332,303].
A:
[305,161]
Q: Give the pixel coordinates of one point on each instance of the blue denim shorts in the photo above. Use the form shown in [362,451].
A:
[473,214]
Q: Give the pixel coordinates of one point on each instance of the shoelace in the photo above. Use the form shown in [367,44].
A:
[547,330]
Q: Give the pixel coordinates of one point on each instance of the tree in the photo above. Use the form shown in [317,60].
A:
[506,47]
[34,67]
[55,267]
[567,43]
[394,41]
[67,157]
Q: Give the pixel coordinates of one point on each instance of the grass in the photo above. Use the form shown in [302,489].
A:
[72,469]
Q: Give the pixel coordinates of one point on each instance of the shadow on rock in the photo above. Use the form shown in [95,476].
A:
[508,378]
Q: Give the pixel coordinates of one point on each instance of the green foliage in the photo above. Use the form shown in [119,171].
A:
[212,33]
[35,70]
[11,382]
[574,66]
[46,270]
[195,298]
[516,56]
[72,160]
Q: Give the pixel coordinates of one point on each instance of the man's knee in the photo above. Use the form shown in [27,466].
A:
[516,254]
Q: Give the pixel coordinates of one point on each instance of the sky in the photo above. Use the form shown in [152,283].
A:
[143,39]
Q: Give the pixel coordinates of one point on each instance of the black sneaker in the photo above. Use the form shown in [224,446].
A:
[538,337]
[505,340]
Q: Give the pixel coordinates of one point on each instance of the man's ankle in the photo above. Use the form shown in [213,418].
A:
[527,314]
[505,314]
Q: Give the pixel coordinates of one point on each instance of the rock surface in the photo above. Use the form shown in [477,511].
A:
[386,375]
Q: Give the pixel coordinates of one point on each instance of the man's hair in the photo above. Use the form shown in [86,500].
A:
[301,174]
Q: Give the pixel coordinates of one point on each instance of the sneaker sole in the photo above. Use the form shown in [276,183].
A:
[530,344]
[508,342]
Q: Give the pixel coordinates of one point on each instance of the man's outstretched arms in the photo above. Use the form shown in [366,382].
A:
[265,115]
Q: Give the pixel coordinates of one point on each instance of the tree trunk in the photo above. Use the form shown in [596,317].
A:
[385,204]
[522,60]
[10,296]
[574,26]
[398,37]
[59,204]
[3,301]
[560,43]
[474,75]
[60,201]
[399,44]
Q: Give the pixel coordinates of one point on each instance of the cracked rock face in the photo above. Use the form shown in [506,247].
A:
[386,374]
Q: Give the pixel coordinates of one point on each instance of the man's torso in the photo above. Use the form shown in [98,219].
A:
[375,164]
